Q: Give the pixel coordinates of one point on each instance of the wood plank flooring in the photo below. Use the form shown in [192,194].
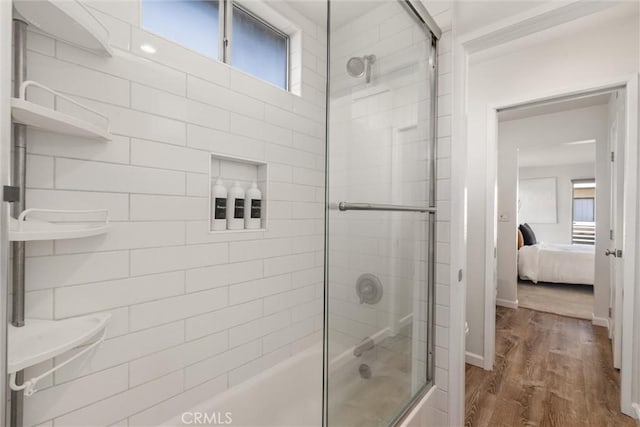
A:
[550,370]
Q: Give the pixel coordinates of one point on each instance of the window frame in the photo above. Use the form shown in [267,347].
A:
[573,198]
[225,39]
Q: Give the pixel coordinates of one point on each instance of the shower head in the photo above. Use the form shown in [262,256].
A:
[358,66]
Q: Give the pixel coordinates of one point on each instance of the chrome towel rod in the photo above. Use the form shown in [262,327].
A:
[347,206]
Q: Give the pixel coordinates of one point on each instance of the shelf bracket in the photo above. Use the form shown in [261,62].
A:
[29,386]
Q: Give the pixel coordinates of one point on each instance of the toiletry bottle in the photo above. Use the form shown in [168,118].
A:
[235,207]
[252,207]
[218,206]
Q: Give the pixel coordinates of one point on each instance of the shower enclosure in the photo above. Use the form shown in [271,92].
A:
[127,306]
[380,223]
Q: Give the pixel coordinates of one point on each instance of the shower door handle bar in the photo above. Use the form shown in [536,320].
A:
[348,206]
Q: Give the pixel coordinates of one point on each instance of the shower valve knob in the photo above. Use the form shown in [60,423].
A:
[369,289]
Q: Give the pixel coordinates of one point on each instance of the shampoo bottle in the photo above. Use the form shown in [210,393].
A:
[253,207]
[235,207]
[218,206]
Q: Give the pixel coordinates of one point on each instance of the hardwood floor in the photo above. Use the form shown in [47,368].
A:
[549,370]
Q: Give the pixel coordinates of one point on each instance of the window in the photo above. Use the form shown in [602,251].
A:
[258,48]
[251,43]
[194,24]
[583,209]
[584,212]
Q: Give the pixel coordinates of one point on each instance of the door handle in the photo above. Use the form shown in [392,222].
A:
[615,252]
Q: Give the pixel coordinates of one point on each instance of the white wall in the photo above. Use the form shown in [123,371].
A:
[193,313]
[560,232]
[564,60]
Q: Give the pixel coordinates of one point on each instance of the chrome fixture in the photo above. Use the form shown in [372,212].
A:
[348,206]
[365,371]
[369,289]
[365,345]
[359,66]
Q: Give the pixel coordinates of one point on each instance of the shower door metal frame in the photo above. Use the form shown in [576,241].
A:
[418,11]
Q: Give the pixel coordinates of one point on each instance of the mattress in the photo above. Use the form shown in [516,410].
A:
[557,263]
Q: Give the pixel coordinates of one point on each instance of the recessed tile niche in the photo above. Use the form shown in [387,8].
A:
[245,171]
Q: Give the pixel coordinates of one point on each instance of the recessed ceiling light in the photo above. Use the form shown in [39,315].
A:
[586,141]
[146,47]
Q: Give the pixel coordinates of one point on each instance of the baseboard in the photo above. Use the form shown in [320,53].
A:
[600,321]
[507,303]
[474,359]
[636,407]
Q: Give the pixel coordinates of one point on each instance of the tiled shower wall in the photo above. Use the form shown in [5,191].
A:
[361,170]
[379,153]
[442,13]
[194,313]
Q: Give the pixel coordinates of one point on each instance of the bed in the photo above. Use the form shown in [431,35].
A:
[557,263]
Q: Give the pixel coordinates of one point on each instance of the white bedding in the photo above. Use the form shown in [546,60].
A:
[557,263]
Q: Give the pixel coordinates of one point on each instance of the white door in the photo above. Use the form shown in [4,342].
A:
[616,141]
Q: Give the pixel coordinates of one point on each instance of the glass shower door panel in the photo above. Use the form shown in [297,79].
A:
[380,152]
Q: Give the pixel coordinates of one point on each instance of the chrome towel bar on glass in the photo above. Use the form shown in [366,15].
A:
[347,206]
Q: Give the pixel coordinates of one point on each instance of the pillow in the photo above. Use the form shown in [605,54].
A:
[528,235]
[520,239]
[533,235]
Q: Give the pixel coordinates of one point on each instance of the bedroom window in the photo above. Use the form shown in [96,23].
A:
[584,212]
[223,30]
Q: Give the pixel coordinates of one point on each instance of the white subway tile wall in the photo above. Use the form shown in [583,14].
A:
[442,12]
[166,349]
[194,313]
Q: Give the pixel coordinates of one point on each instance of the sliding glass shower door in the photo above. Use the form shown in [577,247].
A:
[380,221]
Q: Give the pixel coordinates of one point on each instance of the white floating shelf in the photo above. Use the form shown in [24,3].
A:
[41,117]
[25,229]
[68,21]
[40,340]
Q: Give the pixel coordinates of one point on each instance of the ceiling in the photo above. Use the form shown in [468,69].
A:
[553,107]
[474,14]
[314,10]
[611,13]
[562,154]
[343,11]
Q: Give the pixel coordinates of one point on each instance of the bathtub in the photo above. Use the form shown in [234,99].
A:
[288,394]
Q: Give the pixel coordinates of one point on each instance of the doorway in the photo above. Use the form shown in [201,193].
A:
[613,240]
[553,159]
[561,192]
